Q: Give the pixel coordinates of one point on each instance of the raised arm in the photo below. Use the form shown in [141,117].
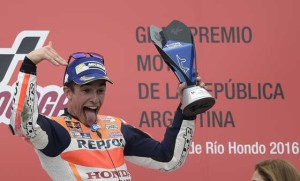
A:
[23,121]
[168,154]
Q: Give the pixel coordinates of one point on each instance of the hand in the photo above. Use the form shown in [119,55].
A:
[183,85]
[200,83]
[46,53]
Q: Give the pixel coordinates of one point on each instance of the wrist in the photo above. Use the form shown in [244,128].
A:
[28,66]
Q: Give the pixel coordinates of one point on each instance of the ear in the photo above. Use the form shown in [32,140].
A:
[68,92]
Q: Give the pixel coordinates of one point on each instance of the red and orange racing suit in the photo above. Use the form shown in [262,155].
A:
[68,150]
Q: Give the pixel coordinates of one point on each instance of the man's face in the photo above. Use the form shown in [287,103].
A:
[86,100]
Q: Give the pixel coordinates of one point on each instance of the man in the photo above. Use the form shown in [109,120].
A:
[80,144]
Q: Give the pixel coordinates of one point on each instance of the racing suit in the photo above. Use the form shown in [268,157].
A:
[68,150]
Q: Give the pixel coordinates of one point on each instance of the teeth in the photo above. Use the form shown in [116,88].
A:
[92,107]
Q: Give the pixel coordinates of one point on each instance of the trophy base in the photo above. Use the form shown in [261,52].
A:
[196,100]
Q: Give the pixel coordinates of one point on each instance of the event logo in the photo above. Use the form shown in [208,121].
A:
[25,42]
[180,63]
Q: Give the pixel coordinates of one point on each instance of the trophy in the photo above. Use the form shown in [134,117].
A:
[175,44]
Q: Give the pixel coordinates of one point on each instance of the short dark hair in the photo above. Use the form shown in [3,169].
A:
[71,86]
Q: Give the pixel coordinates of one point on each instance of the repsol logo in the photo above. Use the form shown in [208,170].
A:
[101,144]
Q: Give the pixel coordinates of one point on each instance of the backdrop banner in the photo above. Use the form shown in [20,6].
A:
[247,55]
